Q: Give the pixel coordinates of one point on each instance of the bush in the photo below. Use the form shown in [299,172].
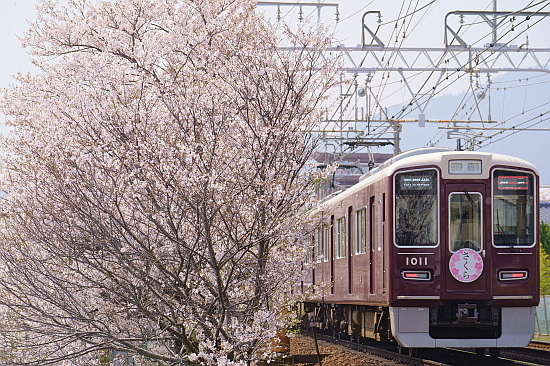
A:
[545,238]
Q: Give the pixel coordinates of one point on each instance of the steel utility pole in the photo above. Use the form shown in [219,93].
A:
[352,124]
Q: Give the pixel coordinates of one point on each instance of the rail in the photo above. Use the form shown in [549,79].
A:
[537,353]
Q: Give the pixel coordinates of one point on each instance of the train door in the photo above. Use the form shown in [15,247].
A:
[372,246]
[349,243]
[331,254]
[380,239]
[466,246]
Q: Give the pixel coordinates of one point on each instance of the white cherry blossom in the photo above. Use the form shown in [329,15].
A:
[155,195]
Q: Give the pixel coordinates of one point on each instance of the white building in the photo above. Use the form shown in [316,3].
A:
[545,204]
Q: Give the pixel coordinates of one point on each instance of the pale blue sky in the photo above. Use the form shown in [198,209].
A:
[13,58]
[425,29]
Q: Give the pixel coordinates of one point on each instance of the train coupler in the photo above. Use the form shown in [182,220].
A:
[467,313]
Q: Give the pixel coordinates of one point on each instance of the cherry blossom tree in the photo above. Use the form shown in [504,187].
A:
[155,187]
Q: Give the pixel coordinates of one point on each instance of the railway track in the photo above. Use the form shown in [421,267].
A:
[540,345]
[385,350]
[538,353]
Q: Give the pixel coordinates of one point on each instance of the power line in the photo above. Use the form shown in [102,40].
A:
[442,74]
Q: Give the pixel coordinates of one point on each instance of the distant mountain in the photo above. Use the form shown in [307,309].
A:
[517,99]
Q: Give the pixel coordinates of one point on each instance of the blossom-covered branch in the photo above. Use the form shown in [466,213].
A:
[155,182]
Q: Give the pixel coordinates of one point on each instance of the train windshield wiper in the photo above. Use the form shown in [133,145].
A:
[503,235]
[474,204]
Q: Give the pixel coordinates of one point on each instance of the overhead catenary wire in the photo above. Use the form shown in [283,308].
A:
[458,73]
[441,133]
[403,25]
[441,89]
[515,131]
[396,31]
[394,53]
[501,129]
[406,108]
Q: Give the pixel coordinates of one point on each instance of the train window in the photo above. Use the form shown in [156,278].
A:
[341,237]
[416,203]
[513,208]
[465,221]
[326,243]
[319,245]
[361,231]
[310,254]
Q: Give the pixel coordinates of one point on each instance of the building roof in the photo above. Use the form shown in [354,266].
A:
[545,204]
[545,194]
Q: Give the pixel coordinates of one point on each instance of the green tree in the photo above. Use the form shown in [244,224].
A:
[544,259]
[544,273]
[545,238]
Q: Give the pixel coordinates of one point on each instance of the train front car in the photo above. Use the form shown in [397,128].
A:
[464,257]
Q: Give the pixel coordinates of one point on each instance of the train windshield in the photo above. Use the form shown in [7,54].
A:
[465,221]
[513,208]
[416,219]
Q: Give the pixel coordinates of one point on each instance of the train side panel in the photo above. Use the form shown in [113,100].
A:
[434,250]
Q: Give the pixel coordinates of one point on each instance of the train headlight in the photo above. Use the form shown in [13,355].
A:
[417,275]
[465,167]
[512,275]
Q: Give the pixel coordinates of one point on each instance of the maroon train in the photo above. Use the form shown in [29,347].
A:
[434,248]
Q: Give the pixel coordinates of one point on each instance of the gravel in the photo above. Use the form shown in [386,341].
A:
[339,355]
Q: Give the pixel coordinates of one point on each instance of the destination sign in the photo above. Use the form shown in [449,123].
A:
[514,183]
[416,183]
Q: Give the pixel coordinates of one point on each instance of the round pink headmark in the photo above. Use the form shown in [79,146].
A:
[466,265]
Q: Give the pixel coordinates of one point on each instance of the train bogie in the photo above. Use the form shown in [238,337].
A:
[433,249]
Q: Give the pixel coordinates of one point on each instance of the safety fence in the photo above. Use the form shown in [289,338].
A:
[542,325]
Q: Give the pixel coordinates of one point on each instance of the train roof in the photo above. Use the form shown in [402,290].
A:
[429,156]
[438,156]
